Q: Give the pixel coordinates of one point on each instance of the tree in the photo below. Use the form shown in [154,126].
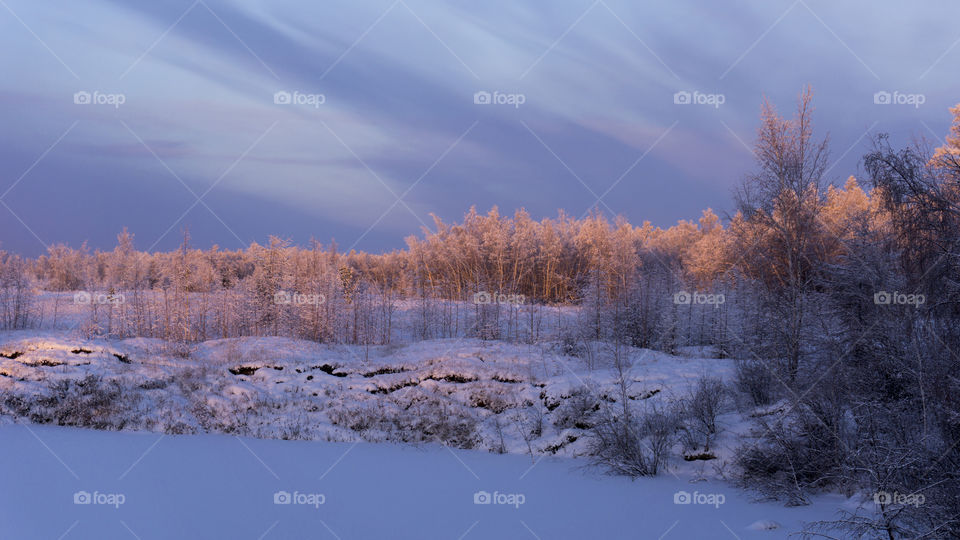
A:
[782,231]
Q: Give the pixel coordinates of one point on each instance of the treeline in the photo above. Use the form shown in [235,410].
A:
[603,265]
[625,275]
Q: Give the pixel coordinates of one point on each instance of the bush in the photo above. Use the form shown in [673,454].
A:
[806,449]
[570,345]
[756,381]
[494,399]
[435,420]
[88,402]
[704,404]
[632,446]
[577,411]
[426,419]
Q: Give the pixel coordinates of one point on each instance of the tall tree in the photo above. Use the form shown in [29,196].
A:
[782,202]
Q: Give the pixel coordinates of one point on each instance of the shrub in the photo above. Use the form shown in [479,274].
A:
[701,408]
[632,446]
[423,420]
[577,410]
[88,402]
[756,381]
[805,449]
[570,345]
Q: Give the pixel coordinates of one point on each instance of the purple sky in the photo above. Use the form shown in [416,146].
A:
[597,81]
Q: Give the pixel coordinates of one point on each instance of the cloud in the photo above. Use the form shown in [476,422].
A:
[398,80]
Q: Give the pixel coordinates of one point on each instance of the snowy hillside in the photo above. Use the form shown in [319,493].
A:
[466,393]
[460,401]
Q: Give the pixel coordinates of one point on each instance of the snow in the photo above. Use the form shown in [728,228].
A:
[274,387]
[217,486]
[199,454]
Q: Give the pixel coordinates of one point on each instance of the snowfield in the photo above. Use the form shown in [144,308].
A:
[197,454]
[142,485]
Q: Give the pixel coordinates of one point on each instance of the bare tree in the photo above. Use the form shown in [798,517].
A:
[781,202]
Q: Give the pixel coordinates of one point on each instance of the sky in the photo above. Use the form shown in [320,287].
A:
[357,120]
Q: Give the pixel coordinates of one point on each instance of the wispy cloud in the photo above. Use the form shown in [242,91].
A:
[398,80]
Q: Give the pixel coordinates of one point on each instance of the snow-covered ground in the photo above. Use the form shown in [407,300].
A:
[198,456]
[143,485]
[467,393]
